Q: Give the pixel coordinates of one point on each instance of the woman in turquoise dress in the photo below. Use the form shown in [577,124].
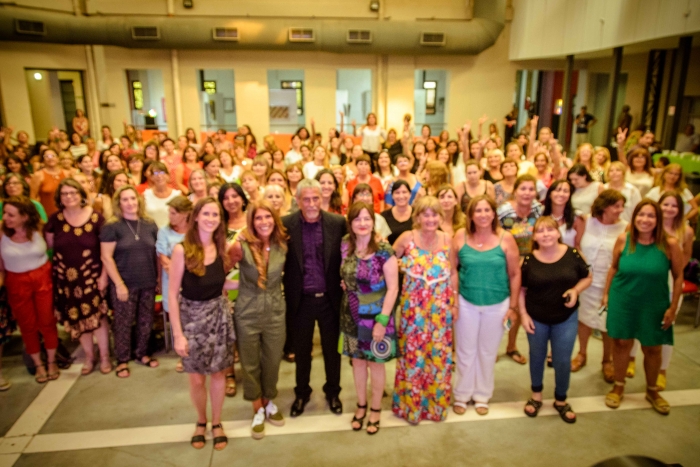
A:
[370,273]
[637,296]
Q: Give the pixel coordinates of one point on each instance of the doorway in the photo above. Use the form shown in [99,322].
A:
[54,98]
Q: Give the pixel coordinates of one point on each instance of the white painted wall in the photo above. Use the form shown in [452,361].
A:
[556,28]
[355,82]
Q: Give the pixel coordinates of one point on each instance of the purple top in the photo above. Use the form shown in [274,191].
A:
[312,251]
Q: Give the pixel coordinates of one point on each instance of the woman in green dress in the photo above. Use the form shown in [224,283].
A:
[641,261]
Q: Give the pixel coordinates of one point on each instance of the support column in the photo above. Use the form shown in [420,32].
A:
[652,87]
[565,120]
[612,95]
[93,98]
[676,91]
[175,65]
[380,84]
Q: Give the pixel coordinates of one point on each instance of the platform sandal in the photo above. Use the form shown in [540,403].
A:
[373,424]
[613,399]
[219,439]
[657,402]
[199,438]
[360,420]
[563,410]
[537,405]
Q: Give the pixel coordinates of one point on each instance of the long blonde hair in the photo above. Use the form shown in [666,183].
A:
[249,235]
[192,244]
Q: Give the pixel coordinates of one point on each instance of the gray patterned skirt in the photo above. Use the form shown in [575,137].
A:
[208,328]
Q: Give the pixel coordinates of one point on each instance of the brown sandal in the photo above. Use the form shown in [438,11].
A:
[578,362]
[517,357]
[231,389]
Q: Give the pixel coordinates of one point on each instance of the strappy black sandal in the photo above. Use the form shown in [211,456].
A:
[373,424]
[563,410]
[199,438]
[360,420]
[533,403]
[219,439]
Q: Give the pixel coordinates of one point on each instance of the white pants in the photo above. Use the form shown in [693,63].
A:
[478,333]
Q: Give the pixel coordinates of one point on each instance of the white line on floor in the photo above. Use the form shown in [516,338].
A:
[39,411]
[324,423]
[8,460]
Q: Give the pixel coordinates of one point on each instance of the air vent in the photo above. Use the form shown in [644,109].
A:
[145,33]
[301,35]
[434,39]
[359,36]
[32,28]
[225,34]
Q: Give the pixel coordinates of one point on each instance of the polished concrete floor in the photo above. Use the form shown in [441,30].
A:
[147,419]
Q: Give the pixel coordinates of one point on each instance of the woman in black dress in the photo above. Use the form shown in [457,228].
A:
[398,217]
[202,324]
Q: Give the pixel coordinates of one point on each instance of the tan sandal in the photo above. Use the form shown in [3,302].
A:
[658,403]
[482,408]
[578,362]
[231,389]
[613,399]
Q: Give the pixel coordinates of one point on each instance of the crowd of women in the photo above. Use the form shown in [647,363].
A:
[445,245]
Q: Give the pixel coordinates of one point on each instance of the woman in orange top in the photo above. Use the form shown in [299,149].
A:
[45,181]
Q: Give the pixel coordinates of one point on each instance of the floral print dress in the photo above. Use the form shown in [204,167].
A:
[78,304]
[424,368]
[362,302]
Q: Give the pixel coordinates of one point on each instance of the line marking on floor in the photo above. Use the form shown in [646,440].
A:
[54,442]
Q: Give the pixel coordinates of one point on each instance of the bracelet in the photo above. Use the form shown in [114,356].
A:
[382,319]
[515,309]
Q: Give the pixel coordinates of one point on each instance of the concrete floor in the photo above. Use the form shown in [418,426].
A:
[159,398]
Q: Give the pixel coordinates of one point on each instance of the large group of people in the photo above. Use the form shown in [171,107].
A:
[419,249]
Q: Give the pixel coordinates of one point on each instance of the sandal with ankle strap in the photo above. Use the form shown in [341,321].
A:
[658,403]
[219,439]
[52,376]
[563,410]
[41,379]
[537,405]
[613,399]
[360,420]
[199,438]
[373,424]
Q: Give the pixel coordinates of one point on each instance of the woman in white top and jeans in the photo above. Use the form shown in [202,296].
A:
[157,197]
[372,137]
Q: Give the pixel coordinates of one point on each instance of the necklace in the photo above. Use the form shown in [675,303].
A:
[138,224]
[557,218]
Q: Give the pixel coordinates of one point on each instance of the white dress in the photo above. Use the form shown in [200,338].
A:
[655,194]
[583,198]
[632,199]
[568,236]
[597,247]
[643,181]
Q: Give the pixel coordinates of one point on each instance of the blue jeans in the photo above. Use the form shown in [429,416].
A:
[563,337]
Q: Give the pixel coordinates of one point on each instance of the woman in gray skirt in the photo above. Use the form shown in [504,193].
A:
[201,322]
[260,252]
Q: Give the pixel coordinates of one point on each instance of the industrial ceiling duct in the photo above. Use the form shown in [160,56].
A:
[467,37]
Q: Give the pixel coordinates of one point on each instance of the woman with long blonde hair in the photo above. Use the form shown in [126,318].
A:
[584,156]
[199,313]
[261,252]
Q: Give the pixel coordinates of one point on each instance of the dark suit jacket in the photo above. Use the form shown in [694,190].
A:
[334,229]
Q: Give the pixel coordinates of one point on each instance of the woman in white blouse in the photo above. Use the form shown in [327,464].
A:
[585,189]
[372,137]
[616,181]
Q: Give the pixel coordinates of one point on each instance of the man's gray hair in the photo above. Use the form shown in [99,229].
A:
[307,183]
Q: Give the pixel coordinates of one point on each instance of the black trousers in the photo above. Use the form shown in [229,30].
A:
[314,310]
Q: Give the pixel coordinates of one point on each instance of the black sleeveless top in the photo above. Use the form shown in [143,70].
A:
[206,287]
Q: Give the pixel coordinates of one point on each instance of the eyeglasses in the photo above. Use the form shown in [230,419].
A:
[158,172]
[69,193]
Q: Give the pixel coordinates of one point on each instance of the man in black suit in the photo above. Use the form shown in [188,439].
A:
[312,291]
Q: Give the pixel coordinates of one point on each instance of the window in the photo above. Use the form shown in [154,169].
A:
[137,95]
[299,86]
[209,87]
[430,97]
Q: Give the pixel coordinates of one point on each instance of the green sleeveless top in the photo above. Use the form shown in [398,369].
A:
[483,275]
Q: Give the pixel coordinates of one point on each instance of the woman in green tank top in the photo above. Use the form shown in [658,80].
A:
[641,261]
[486,288]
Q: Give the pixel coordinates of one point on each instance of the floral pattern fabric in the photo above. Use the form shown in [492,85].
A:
[78,304]
[424,368]
[363,300]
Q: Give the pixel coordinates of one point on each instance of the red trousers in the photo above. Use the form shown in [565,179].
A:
[30,296]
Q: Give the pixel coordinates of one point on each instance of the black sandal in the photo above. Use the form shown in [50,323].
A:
[219,439]
[373,424]
[537,405]
[563,410]
[150,363]
[360,420]
[199,438]
[122,371]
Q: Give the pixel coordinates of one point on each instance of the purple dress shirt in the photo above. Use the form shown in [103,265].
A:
[312,253]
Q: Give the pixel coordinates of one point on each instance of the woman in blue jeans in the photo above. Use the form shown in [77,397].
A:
[553,276]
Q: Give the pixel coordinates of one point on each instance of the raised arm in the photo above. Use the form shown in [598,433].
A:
[533,136]
[621,139]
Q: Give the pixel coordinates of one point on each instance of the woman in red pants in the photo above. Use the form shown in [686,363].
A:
[26,272]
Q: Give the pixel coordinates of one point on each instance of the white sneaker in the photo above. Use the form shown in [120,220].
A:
[4,384]
[273,415]
[257,428]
